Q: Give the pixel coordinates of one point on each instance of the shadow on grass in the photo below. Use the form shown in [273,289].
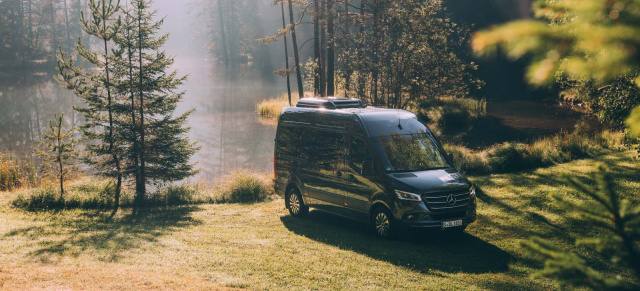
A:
[73,233]
[421,251]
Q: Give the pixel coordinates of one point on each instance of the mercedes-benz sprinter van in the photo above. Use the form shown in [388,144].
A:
[379,166]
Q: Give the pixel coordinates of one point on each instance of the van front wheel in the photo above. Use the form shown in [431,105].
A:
[295,204]
[382,223]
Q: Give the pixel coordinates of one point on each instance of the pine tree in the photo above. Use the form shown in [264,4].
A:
[616,216]
[56,148]
[163,149]
[105,147]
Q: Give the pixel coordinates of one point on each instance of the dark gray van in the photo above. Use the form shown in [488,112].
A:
[379,166]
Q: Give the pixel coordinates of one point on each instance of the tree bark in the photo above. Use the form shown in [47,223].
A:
[331,55]
[54,42]
[142,183]
[286,53]
[323,49]
[66,21]
[295,51]
[316,48]
[223,35]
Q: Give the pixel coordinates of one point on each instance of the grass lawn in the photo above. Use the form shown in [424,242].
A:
[259,246]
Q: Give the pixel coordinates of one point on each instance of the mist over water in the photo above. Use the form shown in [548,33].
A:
[224,123]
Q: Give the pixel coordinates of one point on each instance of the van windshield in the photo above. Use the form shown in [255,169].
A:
[411,152]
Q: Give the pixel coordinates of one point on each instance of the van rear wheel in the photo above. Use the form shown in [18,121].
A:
[382,223]
[295,204]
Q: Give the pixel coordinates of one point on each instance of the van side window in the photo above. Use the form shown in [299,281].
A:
[358,153]
[323,149]
[288,142]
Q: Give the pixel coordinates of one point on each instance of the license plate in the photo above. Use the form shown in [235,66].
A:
[454,223]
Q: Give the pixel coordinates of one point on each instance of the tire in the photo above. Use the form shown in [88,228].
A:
[295,204]
[383,224]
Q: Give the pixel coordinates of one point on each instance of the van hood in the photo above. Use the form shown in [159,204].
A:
[429,181]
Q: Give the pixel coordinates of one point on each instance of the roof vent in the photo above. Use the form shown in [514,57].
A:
[330,103]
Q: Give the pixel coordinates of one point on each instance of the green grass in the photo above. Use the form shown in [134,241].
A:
[512,157]
[259,246]
[92,193]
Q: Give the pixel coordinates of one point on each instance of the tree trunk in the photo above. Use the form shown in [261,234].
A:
[331,55]
[107,85]
[54,42]
[295,51]
[66,20]
[60,150]
[347,49]
[323,49]
[286,53]
[223,35]
[30,26]
[142,183]
[316,48]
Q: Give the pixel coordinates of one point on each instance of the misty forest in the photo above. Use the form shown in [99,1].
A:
[320,144]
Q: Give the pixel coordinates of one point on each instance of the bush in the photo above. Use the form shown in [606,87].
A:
[451,114]
[468,161]
[508,157]
[244,187]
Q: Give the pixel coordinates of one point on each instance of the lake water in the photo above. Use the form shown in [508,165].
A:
[224,124]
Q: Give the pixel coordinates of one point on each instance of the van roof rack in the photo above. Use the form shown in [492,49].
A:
[330,103]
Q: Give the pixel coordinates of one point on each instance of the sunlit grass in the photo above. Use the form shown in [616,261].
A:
[259,246]
[17,172]
[271,108]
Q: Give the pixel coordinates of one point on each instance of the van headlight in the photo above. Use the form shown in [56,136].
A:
[408,196]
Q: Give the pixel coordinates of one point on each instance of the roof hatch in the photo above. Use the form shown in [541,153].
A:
[330,103]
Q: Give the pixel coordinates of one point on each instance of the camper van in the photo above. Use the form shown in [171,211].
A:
[379,166]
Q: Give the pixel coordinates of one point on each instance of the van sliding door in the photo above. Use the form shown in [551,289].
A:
[323,152]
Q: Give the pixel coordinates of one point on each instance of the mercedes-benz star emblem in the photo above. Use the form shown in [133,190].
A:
[451,200]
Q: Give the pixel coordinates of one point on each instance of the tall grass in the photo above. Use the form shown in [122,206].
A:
[16,173]
[512,157]
[271,108]
[448,114]
[98,194]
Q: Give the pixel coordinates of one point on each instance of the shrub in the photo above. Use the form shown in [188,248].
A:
[451,114]
[507,157]
[244,187]
[468,161]
[43,198]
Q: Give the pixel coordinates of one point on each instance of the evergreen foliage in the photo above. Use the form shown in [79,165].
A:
[56,149]
[579,39]
[105,146]
[163,149]
[130,128]
[605,209]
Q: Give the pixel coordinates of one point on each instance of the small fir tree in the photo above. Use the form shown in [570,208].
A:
[105,146]
[56,148]
[617,216]
[163,148]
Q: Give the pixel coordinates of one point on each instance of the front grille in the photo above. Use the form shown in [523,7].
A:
[450,215]
[439,202]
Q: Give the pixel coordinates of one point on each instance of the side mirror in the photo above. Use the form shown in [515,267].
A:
[367,168]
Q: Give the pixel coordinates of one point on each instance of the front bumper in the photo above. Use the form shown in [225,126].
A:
[417,215]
